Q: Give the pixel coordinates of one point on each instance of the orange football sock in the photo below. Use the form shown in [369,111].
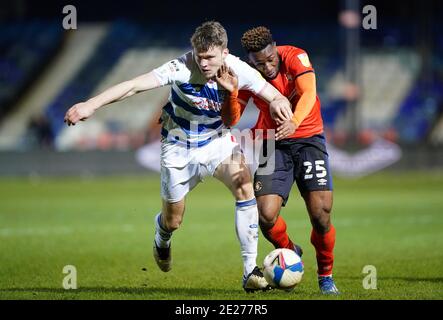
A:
[324,247]
[277,235]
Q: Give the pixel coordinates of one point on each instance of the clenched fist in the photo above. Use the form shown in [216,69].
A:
[79,112]
[280,110]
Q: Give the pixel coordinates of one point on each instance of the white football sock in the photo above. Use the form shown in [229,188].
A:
[246,226]
[162,237]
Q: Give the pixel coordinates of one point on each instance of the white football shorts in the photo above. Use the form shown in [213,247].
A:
[182,168]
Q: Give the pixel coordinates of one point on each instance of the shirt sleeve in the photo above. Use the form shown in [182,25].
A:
[299,63]
[171,71]
[248,78]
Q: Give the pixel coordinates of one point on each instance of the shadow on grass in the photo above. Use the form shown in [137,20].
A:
[196,292]
[156,293]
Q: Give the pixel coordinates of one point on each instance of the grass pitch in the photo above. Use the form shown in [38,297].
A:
[104,227]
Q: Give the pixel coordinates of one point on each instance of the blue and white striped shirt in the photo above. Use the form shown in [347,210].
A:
[192,116]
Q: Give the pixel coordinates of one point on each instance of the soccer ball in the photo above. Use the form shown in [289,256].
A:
[283,269]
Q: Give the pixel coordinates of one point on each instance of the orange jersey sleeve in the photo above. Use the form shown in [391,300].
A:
[295,62]
[243,98]
[231,109]
[306,86]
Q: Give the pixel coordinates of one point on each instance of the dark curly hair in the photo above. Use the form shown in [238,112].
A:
[256,39]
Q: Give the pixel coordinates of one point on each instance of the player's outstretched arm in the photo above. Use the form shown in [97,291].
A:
[83,110]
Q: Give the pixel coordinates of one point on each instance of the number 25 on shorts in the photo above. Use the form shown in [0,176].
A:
[320,170]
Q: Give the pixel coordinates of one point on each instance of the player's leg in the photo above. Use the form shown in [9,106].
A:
[235,175]
[166,222]
[178,176]
[272,224]
[319,205]
[315,184]
[272,191]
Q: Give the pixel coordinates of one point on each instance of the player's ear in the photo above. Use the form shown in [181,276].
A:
[274,46]
[225,52]
[247,59]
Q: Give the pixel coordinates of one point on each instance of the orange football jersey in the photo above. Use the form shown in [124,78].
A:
[294,62]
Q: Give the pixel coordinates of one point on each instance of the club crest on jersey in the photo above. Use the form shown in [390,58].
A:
[303,57]
[174,66]
[289,77]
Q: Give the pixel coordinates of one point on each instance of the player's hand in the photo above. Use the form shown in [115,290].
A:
[286,129]
[78,112]
[227,78]
[280,111]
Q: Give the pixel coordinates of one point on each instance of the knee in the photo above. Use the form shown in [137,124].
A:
[172,223]
[326,209]
[172,216]
[321,217]
[267,215]
[242,186]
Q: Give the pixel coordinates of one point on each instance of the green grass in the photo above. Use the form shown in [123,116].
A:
[104,227]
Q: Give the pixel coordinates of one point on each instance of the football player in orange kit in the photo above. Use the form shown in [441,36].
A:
[300,150]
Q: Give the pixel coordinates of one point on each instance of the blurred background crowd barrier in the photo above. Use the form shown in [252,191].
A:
[381,88]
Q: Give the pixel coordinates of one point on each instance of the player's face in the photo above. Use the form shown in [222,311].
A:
[266,61]
[210,61]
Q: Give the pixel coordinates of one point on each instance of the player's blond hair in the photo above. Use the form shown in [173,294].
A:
[256,39]
[209,34]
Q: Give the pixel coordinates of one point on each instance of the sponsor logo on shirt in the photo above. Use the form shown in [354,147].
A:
[303,57]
